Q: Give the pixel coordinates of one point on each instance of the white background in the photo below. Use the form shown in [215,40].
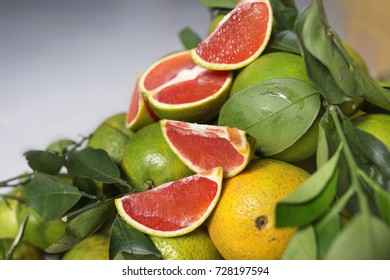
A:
[65,66]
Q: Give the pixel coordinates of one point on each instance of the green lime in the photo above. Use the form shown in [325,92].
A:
[149,161]
[377,125]
[112,136]
[23,251]
[94,247]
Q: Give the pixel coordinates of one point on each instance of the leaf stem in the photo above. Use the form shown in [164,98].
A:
[6,182]
[353,167]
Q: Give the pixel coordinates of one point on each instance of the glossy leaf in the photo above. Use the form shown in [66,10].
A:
[189,38]
[128,243]
[50,196]
[311,199]
[276,112]
[45,161]
[365,237]
[329,65]
[83,225]
[284,41]
[302,246]
[285,13]
[94,164]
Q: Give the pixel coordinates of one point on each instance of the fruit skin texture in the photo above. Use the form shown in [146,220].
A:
[112,136]
[271,66]
[376,124]
[94,247]
[148,157]
[195,245]
[242,226]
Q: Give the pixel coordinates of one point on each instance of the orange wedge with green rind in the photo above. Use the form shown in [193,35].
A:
[202,147]
[238,39]
[177,88]
[174,208]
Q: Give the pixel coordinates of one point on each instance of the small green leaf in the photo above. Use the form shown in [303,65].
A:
[226,4]
[312,198]
[302,246]
[276,112]
[322,154]
[364,238]
[285,41]
[93,164]
[128,243]
[60,146]
[83,225]
[285,13]
[326,230]
[44,161]
[189,38]
[50,196]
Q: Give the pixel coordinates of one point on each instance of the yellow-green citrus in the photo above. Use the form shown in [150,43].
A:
[195,245]
[112,136]
[149,161]
[23,251]
[94,247]
[242,226]
[376,124]
[271,66]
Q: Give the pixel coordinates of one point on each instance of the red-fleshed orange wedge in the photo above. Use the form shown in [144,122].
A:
[177,88]
[139,114]
[202,147]
[238,39]
[174,208]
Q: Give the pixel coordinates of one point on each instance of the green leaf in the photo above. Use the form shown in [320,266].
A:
[284,41]
[44,161]
[128,243]
[322,154]
[302,246]
[364,238]
[312,198]
[285,13]
[83,225]
[60,146]
[329,65]
[94,164]
[276,112]
[50,196]
[226,4]
[326,230]
[189,38]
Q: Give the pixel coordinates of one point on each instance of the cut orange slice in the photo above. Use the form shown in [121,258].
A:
[174,208]
[202,147]
[139,114]
[238,39]
[177,88]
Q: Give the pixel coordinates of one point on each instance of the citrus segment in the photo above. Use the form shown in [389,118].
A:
[139,113]
[238,39]
[173,208]
[202,147]
[177,88]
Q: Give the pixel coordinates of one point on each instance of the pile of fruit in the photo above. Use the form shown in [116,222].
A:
[267,139]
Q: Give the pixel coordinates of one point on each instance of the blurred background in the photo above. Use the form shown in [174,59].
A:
[65,66]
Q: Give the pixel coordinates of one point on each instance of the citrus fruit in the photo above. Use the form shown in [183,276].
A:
[111,136]
[271,66]
[174,208]
[149,161]
[238,39]
[304,147]
[23,251]
[139,113]
[38,232]
[377,125]
[94,247]
[202,147]
[242,225]
[176,88]
[195,245]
